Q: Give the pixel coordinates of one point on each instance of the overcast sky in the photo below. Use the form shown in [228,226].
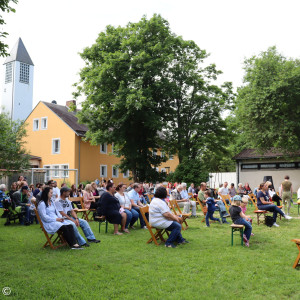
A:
[55,31]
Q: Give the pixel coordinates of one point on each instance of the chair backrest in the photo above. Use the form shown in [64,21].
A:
[174,205]
[144,210]
[224,197]
[150,197]
[77,199]
[203,208]
[253,199]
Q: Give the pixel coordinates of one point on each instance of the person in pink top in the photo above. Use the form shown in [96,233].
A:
[88,197]
[243,207]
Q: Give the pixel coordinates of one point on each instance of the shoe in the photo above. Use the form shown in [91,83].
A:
[206,226]
[183,242]
[170,245]
[94,241]
[77,248]
[144,227]
[252,234]
[276,225]
[132,227]
[226,215]
[287,217]
[85,245]
[126,231]
[247,244]
[219,221]
[245,239]
[118,233]
[225,222]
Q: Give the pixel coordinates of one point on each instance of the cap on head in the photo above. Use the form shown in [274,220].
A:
[237,198]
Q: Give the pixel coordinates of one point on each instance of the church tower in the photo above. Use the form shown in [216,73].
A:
[18,83]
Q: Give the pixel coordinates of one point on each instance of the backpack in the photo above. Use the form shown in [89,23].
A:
[269,221]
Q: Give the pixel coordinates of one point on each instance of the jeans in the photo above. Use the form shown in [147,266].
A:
[273,208]
[248,227]
[137,209]
[221,206]
[26,218]
[210,215]
[132,216]
[86,230]
[175,235]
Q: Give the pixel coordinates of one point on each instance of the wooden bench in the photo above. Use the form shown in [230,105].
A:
[240,229]
[296,263]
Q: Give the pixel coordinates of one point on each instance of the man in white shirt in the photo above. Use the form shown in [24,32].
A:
[160,216]
[64,206]
[223,190]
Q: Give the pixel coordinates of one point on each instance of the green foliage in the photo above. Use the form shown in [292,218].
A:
[268,105]
[145,89]
[190,171]
[13,155]
[5,7]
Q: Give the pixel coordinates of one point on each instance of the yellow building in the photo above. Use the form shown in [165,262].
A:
[55,136]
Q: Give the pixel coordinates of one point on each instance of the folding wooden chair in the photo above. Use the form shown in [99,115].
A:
[158,234]
[203,208]
[296,263]
[150,197]
[224,198]
[55,240]
[174,205]
[82,210]
[257,211]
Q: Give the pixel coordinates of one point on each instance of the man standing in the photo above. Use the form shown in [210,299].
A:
[136,203]
[286,194]
[64,206]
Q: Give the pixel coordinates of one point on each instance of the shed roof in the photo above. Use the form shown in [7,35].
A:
[255,154]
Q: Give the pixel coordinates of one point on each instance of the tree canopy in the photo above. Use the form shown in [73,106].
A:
[146,89]
[13,156]
[268,105]
[5,7]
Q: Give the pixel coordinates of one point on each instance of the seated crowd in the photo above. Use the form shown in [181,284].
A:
[120,205]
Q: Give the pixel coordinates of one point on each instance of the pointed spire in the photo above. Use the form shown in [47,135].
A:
[19,53]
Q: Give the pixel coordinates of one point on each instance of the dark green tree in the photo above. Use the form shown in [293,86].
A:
[145,89]
[268,104]
[13,157]
[5,7]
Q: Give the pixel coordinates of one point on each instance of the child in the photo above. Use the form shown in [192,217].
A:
[238,217]
[211,207]
[244,209]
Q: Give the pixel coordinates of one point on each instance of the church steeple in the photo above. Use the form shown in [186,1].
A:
[17,94]
[19,53]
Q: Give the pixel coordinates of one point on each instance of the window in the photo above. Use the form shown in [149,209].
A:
[126,174]
[55,146]
[103,148]
[56,172]
[154,152]
[268,166]
[44,123]
[65,173]
[287,165]
[171,157]
[250,166]
[157,169]
[115,172]
[163,170]
[163,154]
[36,124]
[103,171]
[8,73]
[47,174]
[24,73]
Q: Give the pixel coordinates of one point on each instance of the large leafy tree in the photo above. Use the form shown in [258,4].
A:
[13,156]
[5,7]
[268,104]
[145,89]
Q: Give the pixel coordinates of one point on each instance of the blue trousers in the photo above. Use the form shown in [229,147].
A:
[132,216]
[26,218]
[175,235]
[210,215]
[248,227]
[273,208]
[86,230]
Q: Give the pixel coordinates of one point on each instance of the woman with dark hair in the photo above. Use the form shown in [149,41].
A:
[80,190]
[110,208]
[247,188]
[160,216]
[53,221]
[73,191]
[125,203]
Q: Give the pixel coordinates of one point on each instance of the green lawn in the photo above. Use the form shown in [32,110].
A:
[125,267]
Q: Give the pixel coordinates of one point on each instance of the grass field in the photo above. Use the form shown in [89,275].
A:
[125,267]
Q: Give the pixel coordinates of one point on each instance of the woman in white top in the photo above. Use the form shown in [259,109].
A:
[125,203]
[161,217]
[53,221]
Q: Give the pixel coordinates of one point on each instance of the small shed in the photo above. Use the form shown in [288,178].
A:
[252,166]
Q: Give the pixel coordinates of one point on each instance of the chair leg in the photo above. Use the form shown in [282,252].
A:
[106,226]
[231,236]
[242,233]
